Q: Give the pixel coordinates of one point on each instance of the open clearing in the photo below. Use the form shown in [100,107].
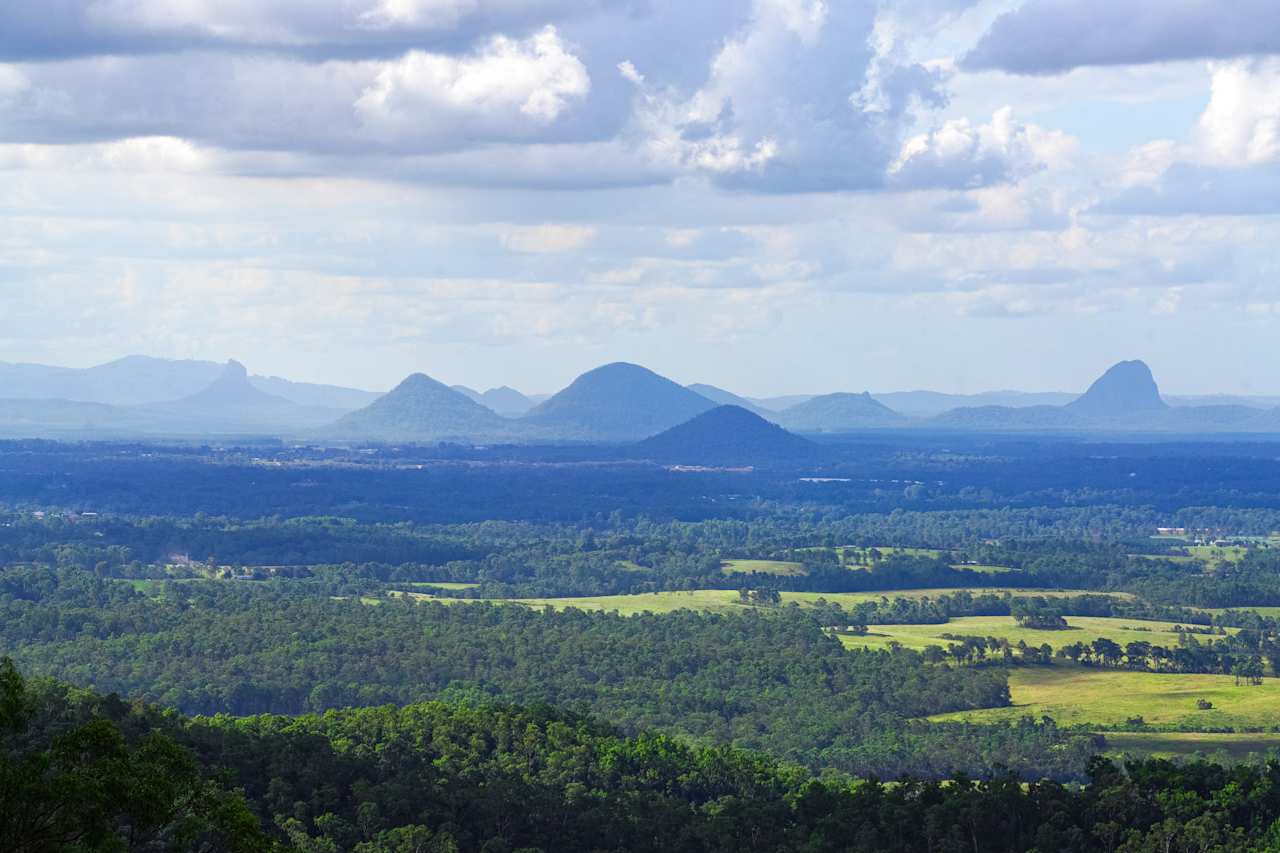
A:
[1084,629]
[440,585]
[764,567]
[726,600]
[1075,695]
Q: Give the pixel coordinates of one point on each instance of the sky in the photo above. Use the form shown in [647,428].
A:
[772,196]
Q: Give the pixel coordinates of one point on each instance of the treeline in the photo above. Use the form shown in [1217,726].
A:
[1245,658]
[437,778]
[613,554]
[444,485]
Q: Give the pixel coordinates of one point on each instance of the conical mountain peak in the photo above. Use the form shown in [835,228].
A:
[618,402]
[1125,388]
[422,409]
[728,435]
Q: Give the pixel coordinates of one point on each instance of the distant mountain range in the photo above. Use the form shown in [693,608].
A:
[1124,399]
[617,403]
[227,405]
[137,380]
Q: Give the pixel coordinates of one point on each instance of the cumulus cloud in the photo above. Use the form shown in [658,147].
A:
[1053,36]
[533,78]
[960,154]
[784,105]
[774,96]
[504,90]
[1241,125]
[1230,165]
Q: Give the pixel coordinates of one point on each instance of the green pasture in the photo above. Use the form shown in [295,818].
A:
[1084,629]
[1075,695]
[763,567]
[726,600]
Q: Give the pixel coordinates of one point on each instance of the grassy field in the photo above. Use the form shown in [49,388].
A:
[1087,696]
[764,567]
[726,600]
[1272,612]
[1171,744]
[1210,555]
[1214,556]
[1084,629]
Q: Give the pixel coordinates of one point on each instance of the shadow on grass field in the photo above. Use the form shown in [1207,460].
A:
[1174,744]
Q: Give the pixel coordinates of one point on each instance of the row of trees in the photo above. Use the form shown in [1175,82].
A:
[1223,658]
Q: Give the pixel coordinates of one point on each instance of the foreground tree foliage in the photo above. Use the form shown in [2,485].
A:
[71,781]
[82,772]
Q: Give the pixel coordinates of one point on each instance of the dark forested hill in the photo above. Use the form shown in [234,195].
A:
[422,409]
[728,435]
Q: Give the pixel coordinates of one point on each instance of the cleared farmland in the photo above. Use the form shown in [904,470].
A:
[1083,629]
[726,600]
[1090,696]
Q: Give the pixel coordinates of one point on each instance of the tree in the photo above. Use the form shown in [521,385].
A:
[88,789]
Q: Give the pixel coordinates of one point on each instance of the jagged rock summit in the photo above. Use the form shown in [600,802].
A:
[727,435]
[1126,388]
[617,402]
[422,409]
[232,390]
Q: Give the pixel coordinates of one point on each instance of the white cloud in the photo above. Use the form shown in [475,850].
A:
[429,13]
[1145,164]
[629,72]
[548,239]
[960,154]
[784,105]
[1241,125]
[508,80]
[12,83]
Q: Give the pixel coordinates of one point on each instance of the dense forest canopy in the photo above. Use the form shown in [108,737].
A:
[446,777]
